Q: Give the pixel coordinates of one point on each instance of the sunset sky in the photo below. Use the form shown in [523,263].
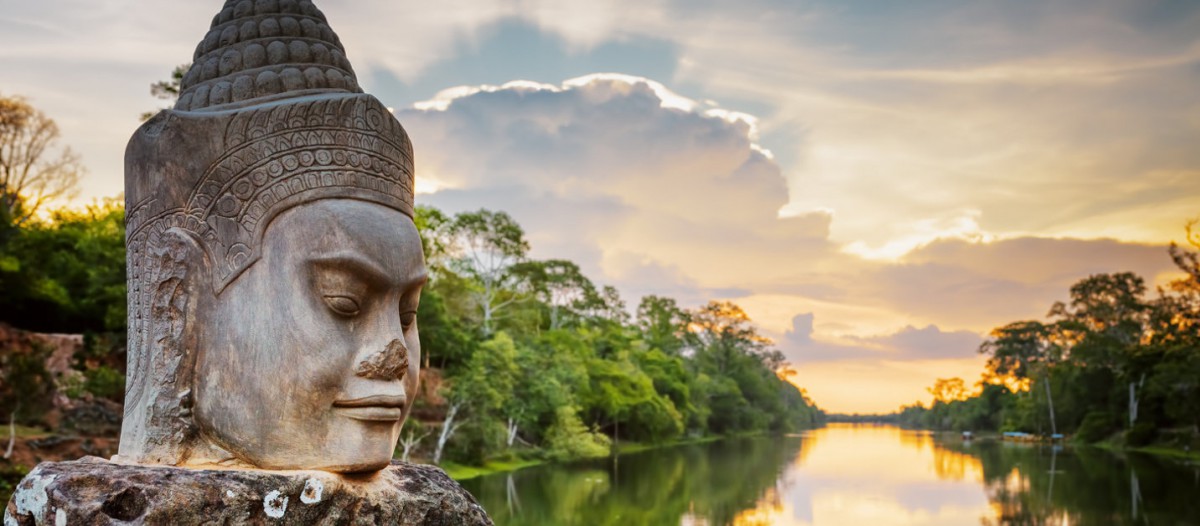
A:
[877,183]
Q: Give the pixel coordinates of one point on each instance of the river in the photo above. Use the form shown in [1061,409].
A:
[847,475]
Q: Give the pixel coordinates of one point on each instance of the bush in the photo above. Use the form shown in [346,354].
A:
[476,441]
[10,476]
[1142,434]
[569,439]
[1096,426]
[105,382]
[26,388]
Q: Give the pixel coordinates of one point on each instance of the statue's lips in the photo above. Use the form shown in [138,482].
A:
[379,408]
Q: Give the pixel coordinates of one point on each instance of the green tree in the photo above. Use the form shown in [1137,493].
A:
[948,390]
[1102,330]
[664,325]
[560,285]
[569,439]
[1017,349]
[1023,350]
[1173,342]
[619,393]
[484,246]
[479,394]
[721,332]
[67,273]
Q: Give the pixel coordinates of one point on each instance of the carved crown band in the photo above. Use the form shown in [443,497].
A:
[282,156]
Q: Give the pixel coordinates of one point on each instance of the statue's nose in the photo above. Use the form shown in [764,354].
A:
[389,364]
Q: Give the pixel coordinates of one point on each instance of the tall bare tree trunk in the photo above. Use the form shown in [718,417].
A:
[1050,400]
[12,434]
[1133,401]
[448,429]
[512,431]
[411,442]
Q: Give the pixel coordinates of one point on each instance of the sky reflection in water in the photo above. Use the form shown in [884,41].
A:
[874,475]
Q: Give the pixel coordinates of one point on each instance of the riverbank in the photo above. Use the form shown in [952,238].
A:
[1179,451]
[462,472]
[1188,450]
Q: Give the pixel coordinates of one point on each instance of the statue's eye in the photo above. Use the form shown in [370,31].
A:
[344,305]
[407,319]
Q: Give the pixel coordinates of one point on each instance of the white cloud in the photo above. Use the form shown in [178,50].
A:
[962,225]
[609,169]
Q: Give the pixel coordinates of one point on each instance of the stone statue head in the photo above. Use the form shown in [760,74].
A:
[274,267]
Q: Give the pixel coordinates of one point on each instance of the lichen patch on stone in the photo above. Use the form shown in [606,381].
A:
[313,489]
[275,504]
[31,497]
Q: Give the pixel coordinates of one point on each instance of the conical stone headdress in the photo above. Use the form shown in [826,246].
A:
[270,116]
[262,50]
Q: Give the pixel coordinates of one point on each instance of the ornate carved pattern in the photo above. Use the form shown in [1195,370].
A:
[161,292]
[280,156]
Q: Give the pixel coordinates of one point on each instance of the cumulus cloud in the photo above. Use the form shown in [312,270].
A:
[613,169]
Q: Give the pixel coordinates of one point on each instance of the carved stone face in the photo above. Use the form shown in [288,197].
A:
[309,360]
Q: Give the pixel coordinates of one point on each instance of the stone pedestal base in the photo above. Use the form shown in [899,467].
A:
[96,491]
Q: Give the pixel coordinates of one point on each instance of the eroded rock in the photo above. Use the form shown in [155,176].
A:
[96,491]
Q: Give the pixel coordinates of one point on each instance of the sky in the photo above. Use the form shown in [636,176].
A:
[878,184]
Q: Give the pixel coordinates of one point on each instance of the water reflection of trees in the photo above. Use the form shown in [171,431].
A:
[918,440]
[710,484]
[1031,485]
[954,465]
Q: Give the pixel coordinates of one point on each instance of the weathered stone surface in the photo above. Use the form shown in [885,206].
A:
[95,491]
[274,265]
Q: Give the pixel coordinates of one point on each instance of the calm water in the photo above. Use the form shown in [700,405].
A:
[849,475]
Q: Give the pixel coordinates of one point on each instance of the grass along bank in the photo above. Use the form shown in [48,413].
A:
[462,472]
[1182,444]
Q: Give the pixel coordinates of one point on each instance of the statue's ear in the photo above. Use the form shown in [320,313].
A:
[172,272]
